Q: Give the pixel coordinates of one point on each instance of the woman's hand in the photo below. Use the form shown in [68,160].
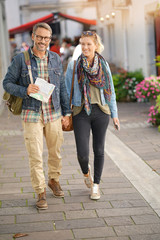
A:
[65,121]
[32,88]
[116,123]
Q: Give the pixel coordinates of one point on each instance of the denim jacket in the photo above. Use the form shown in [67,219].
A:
[76,99]
[18,73]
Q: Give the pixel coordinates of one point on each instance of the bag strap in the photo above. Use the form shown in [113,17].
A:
[74,67]
[28,63]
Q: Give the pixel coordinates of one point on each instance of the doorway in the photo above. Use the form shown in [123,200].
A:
[151,44]
[157,36]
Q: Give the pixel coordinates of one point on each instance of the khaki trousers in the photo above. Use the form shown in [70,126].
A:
[33,136]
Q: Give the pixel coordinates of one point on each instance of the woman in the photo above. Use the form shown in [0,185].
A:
[93,102]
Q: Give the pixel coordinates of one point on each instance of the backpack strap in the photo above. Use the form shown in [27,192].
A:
[28,63]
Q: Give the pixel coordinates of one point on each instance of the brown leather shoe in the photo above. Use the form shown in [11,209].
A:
[56,188]
[42,203]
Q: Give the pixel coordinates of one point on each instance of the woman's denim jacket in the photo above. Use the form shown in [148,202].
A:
[18,73]
[76,100]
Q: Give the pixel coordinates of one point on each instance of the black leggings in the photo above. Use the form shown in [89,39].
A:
[97,121]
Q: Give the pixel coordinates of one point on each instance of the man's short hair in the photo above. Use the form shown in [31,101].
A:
[42,25]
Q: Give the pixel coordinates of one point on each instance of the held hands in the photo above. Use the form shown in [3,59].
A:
[65,121]
[32,88]
[116,123]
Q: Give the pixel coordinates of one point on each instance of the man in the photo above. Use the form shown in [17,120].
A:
[56,46]
[41,118]
[14,49]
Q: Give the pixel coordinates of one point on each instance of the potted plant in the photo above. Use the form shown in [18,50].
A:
[148,89]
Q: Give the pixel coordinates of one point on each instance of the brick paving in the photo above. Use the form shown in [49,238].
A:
[120,214]
[138,135]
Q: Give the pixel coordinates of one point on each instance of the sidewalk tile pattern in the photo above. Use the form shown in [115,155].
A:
[120,214]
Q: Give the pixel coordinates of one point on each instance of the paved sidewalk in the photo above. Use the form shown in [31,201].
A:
[135,150]
[138,135]
[121,214]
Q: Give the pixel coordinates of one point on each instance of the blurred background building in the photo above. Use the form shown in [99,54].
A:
[130,32]
[29,10]
[130,29]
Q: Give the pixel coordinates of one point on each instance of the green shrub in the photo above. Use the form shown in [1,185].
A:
[154,114]
[125,84]
[157,60]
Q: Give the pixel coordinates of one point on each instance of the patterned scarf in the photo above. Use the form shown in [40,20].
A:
[96,75]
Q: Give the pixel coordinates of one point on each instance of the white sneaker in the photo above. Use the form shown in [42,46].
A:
[89,180]
[95,193]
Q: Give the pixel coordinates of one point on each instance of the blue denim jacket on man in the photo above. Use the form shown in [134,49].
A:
[18,72]
[77,97]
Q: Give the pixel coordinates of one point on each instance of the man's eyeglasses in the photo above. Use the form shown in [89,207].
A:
[88,33]
[40,38]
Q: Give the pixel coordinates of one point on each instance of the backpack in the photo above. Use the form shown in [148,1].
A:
[14,103]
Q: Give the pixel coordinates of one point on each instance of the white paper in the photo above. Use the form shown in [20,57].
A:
[45,90]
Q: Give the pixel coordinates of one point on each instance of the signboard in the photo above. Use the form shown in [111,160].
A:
[121,3]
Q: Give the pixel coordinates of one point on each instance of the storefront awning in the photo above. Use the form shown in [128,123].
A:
[48,19]
[77,19]
[28,26]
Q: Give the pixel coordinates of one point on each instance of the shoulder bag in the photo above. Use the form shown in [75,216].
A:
[14,103]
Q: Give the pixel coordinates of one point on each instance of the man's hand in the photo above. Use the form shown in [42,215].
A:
[65,121]
[32,88]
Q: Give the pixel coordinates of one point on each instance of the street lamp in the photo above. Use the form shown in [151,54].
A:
[113,14]
[102,19]
[109,16]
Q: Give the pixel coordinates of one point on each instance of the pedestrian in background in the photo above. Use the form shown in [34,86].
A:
[14,50]
[66,52]
[41,118]
[55,46]
[24,47]
[93,101]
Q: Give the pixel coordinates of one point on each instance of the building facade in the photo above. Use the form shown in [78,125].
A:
[4,50]
[127,28]
[30,10]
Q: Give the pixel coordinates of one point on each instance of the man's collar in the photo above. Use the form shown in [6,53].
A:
[46,53]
